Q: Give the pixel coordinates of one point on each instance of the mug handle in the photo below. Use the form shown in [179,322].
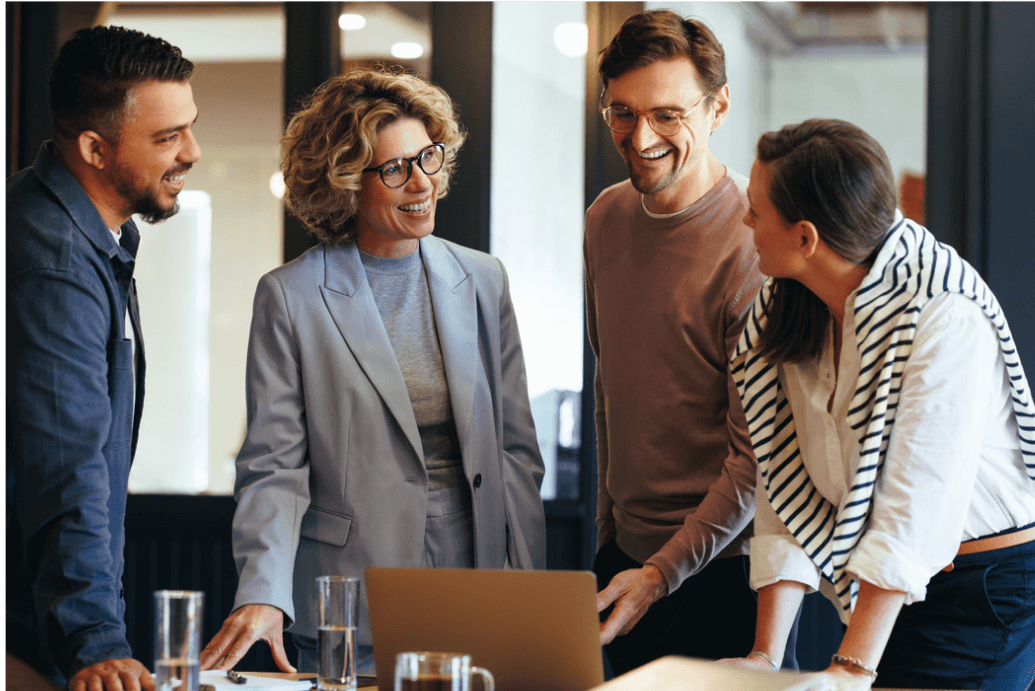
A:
[488,682]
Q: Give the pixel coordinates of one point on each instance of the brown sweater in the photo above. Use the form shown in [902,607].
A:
[666,302]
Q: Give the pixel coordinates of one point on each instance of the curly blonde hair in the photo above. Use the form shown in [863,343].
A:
[332,138]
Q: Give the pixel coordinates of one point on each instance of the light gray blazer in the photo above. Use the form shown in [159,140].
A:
[331,476]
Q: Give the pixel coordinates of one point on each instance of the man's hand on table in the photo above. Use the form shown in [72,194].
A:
[113,675]
[241,629]
[632,592]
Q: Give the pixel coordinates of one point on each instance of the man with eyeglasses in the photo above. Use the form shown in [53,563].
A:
[671,273]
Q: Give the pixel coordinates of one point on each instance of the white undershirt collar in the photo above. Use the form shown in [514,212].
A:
[643,203]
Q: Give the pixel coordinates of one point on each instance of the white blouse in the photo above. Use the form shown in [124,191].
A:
[954,469]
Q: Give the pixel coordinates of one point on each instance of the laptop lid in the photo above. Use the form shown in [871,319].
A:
[686,674]
[531,629]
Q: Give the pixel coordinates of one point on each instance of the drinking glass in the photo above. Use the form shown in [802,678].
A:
[338,602]
[178,621]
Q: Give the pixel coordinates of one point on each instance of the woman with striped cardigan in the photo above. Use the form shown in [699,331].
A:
[893,426]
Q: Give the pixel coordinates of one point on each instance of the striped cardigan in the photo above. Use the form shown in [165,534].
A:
[911,267]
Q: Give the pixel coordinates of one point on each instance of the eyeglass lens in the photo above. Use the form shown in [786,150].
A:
[621,119]
[396,173]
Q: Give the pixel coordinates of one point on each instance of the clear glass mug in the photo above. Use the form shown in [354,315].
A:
[426,671]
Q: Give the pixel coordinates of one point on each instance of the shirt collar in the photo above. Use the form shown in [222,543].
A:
[80,207]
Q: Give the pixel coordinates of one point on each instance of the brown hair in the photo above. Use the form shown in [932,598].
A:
[331,140]
[836,176]
[649,37]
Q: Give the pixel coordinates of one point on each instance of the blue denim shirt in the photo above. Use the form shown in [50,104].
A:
[71,421]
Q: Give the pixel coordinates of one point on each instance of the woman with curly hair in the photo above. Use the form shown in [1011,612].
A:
[388,414]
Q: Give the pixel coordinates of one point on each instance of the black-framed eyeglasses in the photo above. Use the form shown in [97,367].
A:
[396,172]
[664,121]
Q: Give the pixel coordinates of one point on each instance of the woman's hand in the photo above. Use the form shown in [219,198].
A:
[842,679]
[752,662]
[241,629]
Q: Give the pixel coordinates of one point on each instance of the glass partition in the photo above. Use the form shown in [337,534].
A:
[237,83]
[537,211]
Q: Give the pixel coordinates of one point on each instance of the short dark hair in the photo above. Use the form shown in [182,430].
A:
[332,138]
[835,175]
[656,35]
[93,74]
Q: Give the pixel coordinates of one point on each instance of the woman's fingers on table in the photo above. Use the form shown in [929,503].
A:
[240,631]
[746,663]
[276,643]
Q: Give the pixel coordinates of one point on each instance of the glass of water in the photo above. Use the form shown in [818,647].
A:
[338,603]
[178,622]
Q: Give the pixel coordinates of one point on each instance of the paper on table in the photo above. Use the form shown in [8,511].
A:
[218,679]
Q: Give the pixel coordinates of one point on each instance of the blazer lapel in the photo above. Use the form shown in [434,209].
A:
[350,301]
[454,301]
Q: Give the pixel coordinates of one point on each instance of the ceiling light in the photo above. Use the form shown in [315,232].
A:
[571,38]
[405,50]
[351,22]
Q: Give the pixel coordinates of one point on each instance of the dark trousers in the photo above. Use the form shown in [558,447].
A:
[974,630]
[711,615]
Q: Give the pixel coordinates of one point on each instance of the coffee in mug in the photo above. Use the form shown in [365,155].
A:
[429,671]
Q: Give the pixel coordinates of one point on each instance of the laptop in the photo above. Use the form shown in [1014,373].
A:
[686,674]
[531,629]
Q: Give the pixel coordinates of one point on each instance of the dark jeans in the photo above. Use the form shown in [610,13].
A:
[974,630]
[711,615]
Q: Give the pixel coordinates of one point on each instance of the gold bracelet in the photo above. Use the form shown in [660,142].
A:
[855,664]
[763,656]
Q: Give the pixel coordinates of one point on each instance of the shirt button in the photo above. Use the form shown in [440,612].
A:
[477,480]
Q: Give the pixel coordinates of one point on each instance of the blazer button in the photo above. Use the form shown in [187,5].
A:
[477,480]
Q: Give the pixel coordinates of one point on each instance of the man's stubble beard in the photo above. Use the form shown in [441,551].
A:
[142,200]
[644,186]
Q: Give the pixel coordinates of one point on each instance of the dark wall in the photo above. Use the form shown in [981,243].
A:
[980,145]
[32,31]
[178,542]
[1011,152]
[461,63]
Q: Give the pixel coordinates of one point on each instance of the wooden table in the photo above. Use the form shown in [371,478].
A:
[21,677]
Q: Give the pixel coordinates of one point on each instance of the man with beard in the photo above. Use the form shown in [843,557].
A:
[123,112]
[671,273]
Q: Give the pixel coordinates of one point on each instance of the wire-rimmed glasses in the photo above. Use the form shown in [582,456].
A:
[396,172]
[664,121]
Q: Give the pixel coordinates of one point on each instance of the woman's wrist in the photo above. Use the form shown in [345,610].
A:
[854,665]
[764,656]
